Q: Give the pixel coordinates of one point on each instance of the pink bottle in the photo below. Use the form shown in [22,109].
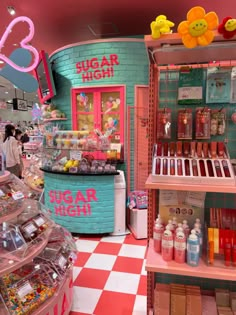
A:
[180,247]
[174,222]
[167,244]
[171,226]
[157,236]
[186,228]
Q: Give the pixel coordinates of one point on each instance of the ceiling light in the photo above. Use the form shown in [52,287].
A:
[11,10]
[6,92]
[1,61]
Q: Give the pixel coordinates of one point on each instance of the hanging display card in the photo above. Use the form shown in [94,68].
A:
[168,197]
[233,86]
[218,85]
[190,90]
[194,198]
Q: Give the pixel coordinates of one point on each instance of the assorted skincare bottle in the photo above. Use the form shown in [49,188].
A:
[167,244]
[193,249]
[199,235]
[180,246]
[157,235]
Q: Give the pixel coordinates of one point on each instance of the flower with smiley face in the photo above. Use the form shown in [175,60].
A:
[198,29]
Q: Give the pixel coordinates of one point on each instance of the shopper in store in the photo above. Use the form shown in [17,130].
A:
[18,136]
[11,151]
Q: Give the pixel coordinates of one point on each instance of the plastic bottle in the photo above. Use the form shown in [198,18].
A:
[170,226]
[157,236]
[180,247]
[199,235]
[158,219]
[179,228]
[198,221]
[186,228]
[193,249]
[167,244]
[174,222]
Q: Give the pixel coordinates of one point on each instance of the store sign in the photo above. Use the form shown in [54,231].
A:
[66,204]
[95,69]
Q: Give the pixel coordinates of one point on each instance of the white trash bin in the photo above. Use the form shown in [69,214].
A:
[120,205]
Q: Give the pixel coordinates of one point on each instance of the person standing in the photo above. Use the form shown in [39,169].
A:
[18,136]
[11,151]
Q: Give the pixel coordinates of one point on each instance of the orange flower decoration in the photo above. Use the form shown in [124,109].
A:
[198,29]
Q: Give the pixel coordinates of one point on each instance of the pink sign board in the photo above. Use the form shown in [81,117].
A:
[67,204]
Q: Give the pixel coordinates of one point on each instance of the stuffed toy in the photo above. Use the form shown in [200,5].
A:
[228,27]
[161,26]
[198,29]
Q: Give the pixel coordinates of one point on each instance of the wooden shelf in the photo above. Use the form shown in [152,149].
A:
[187,187]
[155,263]
[17,262]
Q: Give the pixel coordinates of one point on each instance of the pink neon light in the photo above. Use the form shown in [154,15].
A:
[24,44]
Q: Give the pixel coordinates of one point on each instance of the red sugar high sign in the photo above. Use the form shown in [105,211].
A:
[95,69]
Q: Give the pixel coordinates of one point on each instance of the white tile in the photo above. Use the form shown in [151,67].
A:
[143,271]
[134,251]
[85,299]
[122,282]
[76,271]
[114,239]
[100,261]
[140,305]
[86,246]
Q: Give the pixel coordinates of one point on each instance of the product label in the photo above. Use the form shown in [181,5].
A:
[18,195]
[39,221]
[190,93]
[193,248]
[62,261]
[157,236]
[180,245]
[75,155]
[167,243]
[30,228]
[25,289]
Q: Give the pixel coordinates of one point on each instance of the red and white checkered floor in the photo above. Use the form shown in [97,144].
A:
[109,276]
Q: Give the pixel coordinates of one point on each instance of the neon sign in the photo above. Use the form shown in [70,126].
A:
[24,43]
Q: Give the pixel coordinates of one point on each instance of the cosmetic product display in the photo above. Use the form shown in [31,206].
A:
[192,162]
[203,123]
[185,121]
[164,123]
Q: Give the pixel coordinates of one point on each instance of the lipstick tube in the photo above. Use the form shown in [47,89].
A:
[205,149]
[159,149]
[226,168]
[158,166]
[202,168]
[199,149]
[227,253]
[186,149]
[213,149]
[179,148]
[193,149]
[194,168]
[172,167]
[172,149]
[179,167]
[165,167]
[220,149]
[165,149]
[210,168]
[217,168]
[187,167]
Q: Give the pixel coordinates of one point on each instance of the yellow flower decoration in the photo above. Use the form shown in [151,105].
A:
[198,29]
[161,26]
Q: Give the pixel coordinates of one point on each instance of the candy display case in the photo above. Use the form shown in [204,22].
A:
[28,282]
[33,176]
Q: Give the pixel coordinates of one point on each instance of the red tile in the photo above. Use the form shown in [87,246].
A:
[115,303]
[142,288]
[108,248]
[127,264]
[82,259]
[78,313]
[130,239]
[92,278]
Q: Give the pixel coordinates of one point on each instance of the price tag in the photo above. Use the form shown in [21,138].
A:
[62,261]
[75,155]
[30,228]
[25,289]
[1,193]
[39,221]
[18,195]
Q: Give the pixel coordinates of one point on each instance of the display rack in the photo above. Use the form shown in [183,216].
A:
[61,301]
[166,51]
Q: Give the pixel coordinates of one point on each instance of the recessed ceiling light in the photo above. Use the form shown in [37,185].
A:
[6,92]
[9,101]
[1,61]
[11,10]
